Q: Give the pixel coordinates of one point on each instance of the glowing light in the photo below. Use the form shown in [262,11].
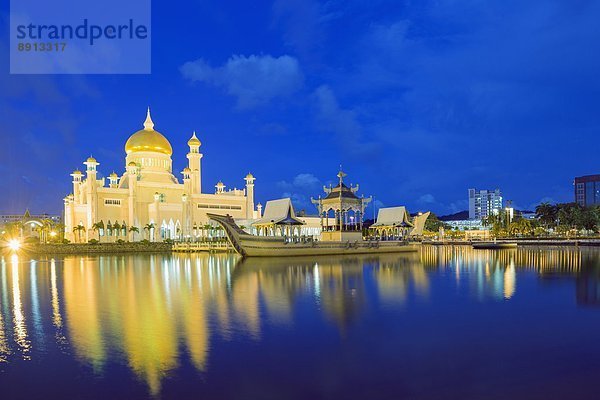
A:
[14,244]
[53,234]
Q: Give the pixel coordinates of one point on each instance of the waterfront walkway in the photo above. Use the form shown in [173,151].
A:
[193,247]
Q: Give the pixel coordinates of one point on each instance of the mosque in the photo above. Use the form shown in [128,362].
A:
[148,201]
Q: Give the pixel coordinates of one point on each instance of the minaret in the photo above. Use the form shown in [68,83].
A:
[187,182]
[249,195]
[91,192]
[114,180]
[194,157]
[69,225]
[131,177]
[186,226]
[77,175]
[158,223]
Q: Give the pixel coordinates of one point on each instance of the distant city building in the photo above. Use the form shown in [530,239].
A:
[587,190]
[483,203]
[466,224]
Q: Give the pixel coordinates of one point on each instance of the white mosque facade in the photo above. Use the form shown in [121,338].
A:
[148,201]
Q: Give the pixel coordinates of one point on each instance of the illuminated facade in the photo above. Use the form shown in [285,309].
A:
[587,190]
[483,203]
[147,201]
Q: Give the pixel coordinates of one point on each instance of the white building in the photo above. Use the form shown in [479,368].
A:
[147,201]
[483,203]
[466,224]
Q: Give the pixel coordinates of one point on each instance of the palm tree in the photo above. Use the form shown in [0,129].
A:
[77,230]
[207,229]
[96,228]
[547,214]
[149,227]
[117,228]
[59,229]
[14,229]
[133,230]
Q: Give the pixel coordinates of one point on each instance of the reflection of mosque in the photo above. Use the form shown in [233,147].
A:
[155,310]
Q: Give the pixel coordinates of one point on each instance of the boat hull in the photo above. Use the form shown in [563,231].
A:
[260,248]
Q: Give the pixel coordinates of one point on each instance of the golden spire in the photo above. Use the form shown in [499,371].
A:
[341,175]
[148,124]
[194,141]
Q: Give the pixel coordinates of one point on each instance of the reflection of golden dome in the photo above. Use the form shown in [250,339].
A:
[148,140]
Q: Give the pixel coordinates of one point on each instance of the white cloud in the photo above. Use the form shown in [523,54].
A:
[253,80]
[427,199]
[306,181]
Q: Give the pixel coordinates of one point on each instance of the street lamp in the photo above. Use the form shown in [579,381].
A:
[14,245]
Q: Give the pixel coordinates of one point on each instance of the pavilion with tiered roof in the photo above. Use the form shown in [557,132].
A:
[344,207]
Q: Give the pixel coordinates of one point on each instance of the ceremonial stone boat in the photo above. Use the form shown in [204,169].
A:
[248,245]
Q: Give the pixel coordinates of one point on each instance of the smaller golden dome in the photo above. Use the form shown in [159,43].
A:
[186,169]
[91,160]
[77,172]
[132,164]
[249,176]
[220,184]
[194,141]
[114,175]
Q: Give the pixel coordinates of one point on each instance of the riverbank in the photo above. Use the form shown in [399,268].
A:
[100,248]
[523,242]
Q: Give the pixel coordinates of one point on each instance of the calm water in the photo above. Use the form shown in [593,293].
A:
[449,322]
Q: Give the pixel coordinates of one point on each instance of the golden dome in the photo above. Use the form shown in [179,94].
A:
[148,139]
[91,160]
[194,141]
[249,176]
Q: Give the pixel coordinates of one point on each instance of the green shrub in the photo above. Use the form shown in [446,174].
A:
[168,241]
[93,241]
[120,241]
[145,241]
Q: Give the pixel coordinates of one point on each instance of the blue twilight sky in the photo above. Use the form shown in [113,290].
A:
[418,100]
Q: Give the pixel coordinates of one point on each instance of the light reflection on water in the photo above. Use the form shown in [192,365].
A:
[155,314]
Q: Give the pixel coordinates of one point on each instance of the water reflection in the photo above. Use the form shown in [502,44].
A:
[154,313]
